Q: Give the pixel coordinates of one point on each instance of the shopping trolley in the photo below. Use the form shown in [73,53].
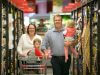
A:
[33,65]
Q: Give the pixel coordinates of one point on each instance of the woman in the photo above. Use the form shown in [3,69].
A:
[25,44]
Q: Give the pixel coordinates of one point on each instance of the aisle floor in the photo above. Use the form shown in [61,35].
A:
[49,72]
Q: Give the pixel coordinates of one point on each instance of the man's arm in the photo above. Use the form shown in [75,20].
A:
[45,42]
[45,45]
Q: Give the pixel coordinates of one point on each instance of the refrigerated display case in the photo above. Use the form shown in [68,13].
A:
[9,36]
[86,18]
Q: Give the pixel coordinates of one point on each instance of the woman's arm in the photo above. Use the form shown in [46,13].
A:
[19,47]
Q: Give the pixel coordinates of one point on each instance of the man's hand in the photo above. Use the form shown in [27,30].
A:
[47,54]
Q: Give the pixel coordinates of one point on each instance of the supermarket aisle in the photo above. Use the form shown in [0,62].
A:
[12,26]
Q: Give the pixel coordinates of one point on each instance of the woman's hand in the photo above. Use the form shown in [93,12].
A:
[26,53]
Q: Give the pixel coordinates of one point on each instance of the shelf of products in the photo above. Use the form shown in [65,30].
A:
[11,28]
[98,42]
[86,18]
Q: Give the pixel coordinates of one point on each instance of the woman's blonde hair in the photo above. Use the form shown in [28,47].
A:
[70,23]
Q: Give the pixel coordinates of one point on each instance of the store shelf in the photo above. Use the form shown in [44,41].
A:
[8,37]
[87,28]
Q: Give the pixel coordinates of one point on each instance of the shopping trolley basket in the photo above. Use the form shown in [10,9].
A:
[33,65]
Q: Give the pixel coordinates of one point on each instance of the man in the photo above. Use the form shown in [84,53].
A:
[55,41]
[42,27]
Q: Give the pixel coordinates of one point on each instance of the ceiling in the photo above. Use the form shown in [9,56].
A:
[27,6]
[39,6]
[33,6]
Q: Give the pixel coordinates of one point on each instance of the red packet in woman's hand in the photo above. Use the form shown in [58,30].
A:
[38,53]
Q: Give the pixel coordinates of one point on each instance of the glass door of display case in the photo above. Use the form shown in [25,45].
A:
[98,35]
[10,31]
[0,36]
[86,18]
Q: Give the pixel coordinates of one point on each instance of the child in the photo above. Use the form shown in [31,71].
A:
[69,34]
[37,44]
[38,52]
